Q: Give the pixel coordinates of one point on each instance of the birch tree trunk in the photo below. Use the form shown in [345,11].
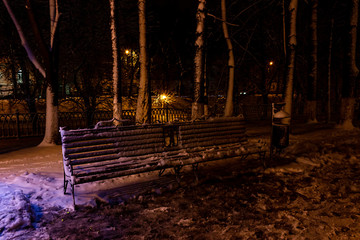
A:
[52,122]
[313,76]
[143,102]
[52,112]
[291,66]
[197,110]
[117,100]
[229,107]
[48,72]
[352,72]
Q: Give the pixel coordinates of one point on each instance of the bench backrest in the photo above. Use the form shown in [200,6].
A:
[108,143]
[111,143]
[213,132]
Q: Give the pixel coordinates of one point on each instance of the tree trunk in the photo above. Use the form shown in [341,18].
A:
[143,104]
[117,100]
[351,72]
[52,121]
[229,106]
[313,76]
[197,110]
[284,27]
[49,72]
[329,71]
[291,66]
[51,124]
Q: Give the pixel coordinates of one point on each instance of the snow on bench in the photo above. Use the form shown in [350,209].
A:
[108,152]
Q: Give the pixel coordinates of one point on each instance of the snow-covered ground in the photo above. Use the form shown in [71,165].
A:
[309,192]
[31,188]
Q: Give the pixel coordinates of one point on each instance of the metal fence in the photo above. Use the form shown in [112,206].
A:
[23,125]
[254,112]
[19,125]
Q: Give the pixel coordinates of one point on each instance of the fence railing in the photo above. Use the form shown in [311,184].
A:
[253,112]
[19,125]
[23,125]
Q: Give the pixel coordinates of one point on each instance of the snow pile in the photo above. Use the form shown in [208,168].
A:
[28,199]
[15,211]
[31,190]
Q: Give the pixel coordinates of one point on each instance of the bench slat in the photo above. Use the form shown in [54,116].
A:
[66,138]
[90,146]
[211,141]
[115,156]
[120,151]
[206,134]
[130,139]
[214,123]
[84,131]
[92,178]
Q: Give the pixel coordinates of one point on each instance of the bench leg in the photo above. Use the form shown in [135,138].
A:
[177,173]
[73,194]
[262,158]
[161,172]
[65,183]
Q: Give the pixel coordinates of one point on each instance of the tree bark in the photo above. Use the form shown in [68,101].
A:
[329,71]
[291,66]
[117,100]
[52,122]
[352,72]
[197,110]
[284,27]
[143,104]
[229,106]
[313,76]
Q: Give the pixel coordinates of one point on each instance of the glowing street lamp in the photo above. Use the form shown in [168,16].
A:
[163,98]
[271,63]
[127,52]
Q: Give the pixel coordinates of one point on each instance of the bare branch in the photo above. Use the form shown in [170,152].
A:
[220,19]
[24,42]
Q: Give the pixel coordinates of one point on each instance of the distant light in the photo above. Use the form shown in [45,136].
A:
[127,52]
[271,63]
[163,96]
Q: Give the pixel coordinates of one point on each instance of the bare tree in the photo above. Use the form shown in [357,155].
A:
[48,69]
[351,72]
[117,100]
[143,108]
[197,110]
[291,66]
[229,106]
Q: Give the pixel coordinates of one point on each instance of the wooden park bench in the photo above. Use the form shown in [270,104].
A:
[114,151]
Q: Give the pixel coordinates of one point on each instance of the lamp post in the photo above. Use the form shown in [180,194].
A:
[163,99]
